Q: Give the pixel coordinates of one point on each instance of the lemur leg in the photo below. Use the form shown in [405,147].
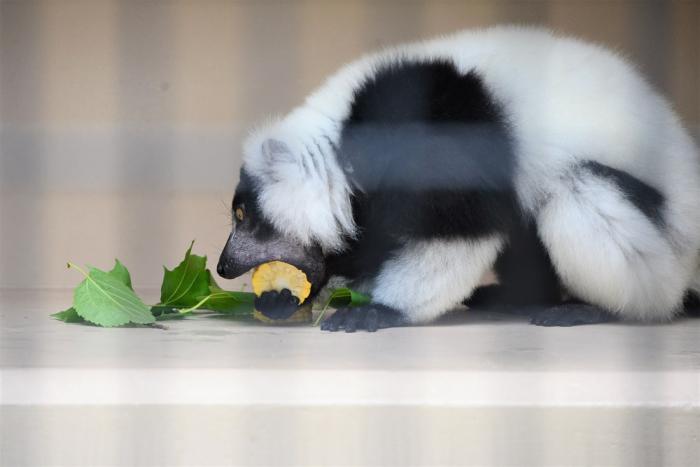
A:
[524,273]
[610,251]
[423,281]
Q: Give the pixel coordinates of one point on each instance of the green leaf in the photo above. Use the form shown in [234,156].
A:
[69,316]
[105,300]
[227,302]
[120,272]
[347,297]
[213,286]
[189,280]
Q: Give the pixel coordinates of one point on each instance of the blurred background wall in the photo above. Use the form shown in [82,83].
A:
[121,121]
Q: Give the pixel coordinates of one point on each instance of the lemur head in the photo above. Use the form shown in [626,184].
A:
[292,204]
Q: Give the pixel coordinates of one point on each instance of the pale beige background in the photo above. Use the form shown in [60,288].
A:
[121,121]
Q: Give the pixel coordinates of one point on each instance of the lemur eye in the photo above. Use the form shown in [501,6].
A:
[239,214]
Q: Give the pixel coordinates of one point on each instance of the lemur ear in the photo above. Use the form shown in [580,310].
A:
[278,161]
[275,151]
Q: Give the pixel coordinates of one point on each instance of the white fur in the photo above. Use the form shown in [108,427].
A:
[304,192]
[427,278]
[608,253]
[566,100]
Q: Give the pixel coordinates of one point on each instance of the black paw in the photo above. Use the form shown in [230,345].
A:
[368,317]
[277,305]
[571,315]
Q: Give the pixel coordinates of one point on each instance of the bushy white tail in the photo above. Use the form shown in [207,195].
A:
[608,253]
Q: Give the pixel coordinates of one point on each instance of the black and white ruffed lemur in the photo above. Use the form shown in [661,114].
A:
[413,172]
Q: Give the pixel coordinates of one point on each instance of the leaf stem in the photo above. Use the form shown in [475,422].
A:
[74,266]
[184,311]
[201,302]
[323,312]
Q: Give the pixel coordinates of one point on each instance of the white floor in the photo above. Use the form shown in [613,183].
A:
[479,389]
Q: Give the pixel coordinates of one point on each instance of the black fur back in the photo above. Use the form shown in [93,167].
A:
[428,152]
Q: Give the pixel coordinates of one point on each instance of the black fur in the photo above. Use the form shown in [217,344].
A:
[428,152]
[645,198]
[525,274]
[691,304]
[246,197]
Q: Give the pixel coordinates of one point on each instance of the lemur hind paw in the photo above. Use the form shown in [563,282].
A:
[571,314]
[368,317]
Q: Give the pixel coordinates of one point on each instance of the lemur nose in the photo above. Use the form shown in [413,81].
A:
[220,268]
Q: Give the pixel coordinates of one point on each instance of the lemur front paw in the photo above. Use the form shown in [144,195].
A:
[368,317]
[277,305]
[571,314]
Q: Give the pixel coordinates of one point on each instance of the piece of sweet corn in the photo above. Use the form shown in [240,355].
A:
[277,275]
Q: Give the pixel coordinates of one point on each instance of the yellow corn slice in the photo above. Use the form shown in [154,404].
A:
[277,275]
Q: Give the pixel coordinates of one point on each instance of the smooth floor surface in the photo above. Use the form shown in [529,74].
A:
[476,388]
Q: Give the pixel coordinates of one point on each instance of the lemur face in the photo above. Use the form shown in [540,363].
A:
[254,240]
